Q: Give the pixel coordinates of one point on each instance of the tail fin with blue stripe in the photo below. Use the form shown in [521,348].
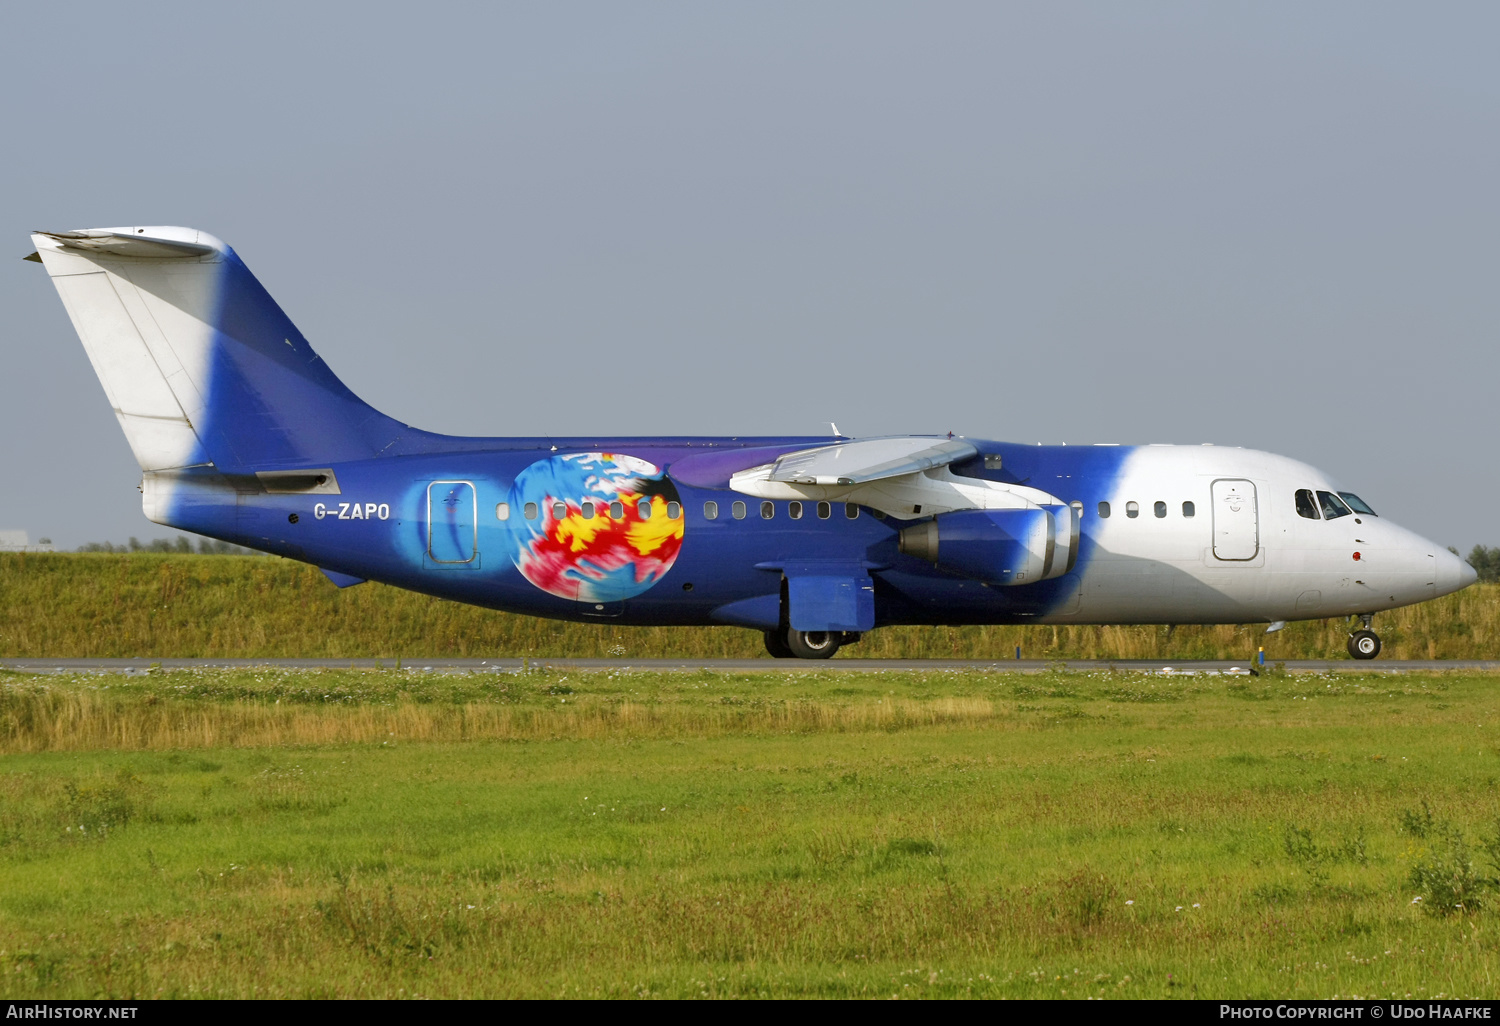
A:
[198,361]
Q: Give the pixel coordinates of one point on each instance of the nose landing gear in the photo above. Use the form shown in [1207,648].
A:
[1364,643]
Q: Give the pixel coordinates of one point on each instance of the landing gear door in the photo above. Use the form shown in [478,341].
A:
[1236,520]
[830,597]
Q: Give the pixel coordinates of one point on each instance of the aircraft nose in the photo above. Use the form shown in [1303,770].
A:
[1453,574]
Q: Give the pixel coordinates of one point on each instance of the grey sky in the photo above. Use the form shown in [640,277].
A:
[1268,225]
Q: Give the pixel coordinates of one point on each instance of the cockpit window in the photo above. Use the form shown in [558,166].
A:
[1333,506]
[1306,506]
[1357,504]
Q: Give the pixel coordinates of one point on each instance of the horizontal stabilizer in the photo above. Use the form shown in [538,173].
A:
[869,459]
[100,240]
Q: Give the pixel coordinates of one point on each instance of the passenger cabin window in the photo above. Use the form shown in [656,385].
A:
[825,510]
[738,509]
[767,510]
[1189,510]
[674,510]
[502,511]
[1357,504]
[1132,510]
[1306,505]
[1103,511]
[644,509]
[530,511]
[851,511]
[794,510]
[1333,506]
[559,511]
[1160,509]
[617,511]
[710,510]
[588,510]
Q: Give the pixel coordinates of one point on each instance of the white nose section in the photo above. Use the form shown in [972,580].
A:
[1453,573]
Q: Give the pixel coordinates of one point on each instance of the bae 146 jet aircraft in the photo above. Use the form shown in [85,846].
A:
[244,434]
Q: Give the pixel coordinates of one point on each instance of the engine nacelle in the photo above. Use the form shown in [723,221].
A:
[999,546]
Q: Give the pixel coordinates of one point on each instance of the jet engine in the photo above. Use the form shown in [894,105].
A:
[999,546]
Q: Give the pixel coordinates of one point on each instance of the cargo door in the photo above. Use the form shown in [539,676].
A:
[1236,520]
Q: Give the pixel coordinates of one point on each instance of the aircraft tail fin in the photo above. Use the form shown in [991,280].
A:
[198,361]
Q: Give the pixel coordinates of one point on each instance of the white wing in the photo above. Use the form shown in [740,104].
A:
[865,460]
[903,477]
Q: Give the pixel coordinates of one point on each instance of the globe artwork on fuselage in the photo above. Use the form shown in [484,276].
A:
[594,526]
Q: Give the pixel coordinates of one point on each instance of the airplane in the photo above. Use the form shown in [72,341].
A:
[244,434]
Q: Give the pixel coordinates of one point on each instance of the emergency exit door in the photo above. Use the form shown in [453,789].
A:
[1236,521]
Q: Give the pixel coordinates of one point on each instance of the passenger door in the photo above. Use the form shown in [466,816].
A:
[1236,521]
[452,524]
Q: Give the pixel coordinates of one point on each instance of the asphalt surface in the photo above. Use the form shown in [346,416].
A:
[132,666]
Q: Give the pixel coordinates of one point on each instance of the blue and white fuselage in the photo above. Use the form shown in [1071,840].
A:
[243,434]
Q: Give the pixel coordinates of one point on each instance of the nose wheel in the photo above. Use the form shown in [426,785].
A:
[1364,643]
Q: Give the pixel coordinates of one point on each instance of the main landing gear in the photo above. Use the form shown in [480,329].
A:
[1364,643]
[787,643]
[776,644]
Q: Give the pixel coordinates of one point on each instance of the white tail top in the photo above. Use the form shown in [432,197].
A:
[143,302]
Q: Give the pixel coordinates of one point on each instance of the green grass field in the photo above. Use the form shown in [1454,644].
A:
[392,833]
[121,606]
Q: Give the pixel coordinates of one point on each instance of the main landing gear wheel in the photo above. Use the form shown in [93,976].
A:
[776,645]
[1364,644]
[813,644]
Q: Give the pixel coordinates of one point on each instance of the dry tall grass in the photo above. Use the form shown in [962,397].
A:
[119,606]
[40,719]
